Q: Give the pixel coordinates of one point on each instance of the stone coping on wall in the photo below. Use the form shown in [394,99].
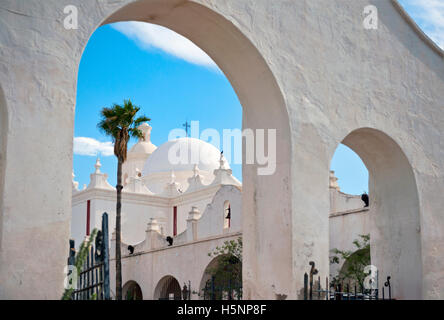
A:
[344,213]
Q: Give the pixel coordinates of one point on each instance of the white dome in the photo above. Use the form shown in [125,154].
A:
[175,155]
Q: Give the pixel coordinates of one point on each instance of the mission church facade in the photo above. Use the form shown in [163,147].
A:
[174,215]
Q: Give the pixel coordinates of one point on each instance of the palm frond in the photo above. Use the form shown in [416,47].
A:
[141,120]
[136,133]
[120,122]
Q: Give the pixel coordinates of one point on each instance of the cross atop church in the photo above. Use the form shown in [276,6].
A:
[187,126]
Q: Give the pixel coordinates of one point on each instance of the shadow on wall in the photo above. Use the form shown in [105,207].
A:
[3,143]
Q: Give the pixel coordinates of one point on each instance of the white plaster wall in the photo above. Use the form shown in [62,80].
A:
[361,78]
[78,223]
[340,201]
[212,219]
[307,68]
[188,258]
[3,134]
[34,62]
[184,209]
[348,220]
[135,215]
[40,59]
[346,228]
[185,262]
[134,161]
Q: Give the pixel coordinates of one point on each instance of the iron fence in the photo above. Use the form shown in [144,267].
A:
[225,290]
[338,290]
[93,278]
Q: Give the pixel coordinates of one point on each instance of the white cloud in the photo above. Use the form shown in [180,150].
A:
[150,36]
[429,14]
[91,147]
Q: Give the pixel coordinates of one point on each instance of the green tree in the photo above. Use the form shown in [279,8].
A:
[228,270]
[120,123]
[355,261]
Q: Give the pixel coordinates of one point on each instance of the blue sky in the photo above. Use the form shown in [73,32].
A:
[173,81]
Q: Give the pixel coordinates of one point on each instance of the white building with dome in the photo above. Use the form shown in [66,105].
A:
[195,201]
[154,188]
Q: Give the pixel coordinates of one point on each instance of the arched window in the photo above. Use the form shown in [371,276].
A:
[227,215]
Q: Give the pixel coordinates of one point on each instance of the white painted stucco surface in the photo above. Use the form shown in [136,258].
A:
[187,259]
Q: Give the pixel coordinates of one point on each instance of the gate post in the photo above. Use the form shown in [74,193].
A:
[105,255]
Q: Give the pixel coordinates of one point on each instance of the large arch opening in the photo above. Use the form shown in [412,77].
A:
[394,214]
[168,288]
[263,108]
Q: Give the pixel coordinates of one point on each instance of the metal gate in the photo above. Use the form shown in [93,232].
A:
[227,290]
[92,267]
[342,291]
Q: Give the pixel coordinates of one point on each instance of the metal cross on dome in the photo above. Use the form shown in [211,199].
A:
[187,126]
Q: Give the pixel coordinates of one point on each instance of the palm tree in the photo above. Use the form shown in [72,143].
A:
[120,123]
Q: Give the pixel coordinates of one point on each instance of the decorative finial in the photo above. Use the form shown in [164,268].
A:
[75,184]
[221,160]
[194,214]
[153,225]
[98,165]
[334,181]
[196,170]
[173,177]
[146,132]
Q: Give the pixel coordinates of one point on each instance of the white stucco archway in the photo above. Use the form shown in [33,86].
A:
[395,232]
[3,135]
[263,108]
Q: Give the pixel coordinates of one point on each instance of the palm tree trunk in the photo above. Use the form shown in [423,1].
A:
[119,188]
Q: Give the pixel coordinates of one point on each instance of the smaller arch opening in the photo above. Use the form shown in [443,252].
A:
[132,291]
[222,279]
[168,288]
[392,219]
